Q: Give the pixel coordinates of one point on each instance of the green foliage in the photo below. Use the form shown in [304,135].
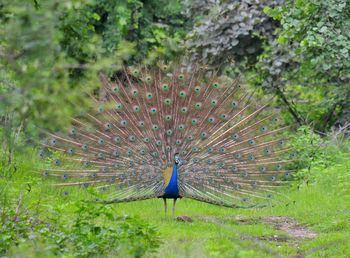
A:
[94,230]
[311,50]
[229,31]
[315,154]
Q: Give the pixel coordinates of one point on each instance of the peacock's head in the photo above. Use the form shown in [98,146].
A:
[177,159]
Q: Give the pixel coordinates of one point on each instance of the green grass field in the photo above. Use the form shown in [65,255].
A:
[317,215]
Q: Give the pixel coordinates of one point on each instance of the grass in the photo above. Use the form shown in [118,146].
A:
[322,206]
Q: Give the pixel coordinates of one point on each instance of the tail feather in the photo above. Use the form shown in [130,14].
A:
[232,147]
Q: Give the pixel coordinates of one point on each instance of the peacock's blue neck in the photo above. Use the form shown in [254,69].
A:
[172,189]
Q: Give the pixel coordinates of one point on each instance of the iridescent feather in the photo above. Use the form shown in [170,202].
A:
[231,147]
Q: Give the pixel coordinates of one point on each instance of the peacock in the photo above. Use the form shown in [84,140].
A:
[172,131]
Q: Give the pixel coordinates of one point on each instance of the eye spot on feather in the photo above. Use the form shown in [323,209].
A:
[238,155]
[116,89]
[135,72]
[273,178]
[222,150]
[136,108]
[262,169]
[204,135]
[182,127]
[275,120]
[169,132]
[235,137]
[198,105]
[65,176]
[146,139]
[254,184]
[178,142]
[108,126]
[100,155]
[189,138]
[184,110]
[65,193]
[210,161]
[181,77]
[194,121]
[159,143]
[53,142]
[132,138]
[234,168]
[101,141]
[286,174]
[148,79]
[211,120]
[281,142]
[197,89]
[45,173]
[41,154]
[149,96]
[168,118]
[155,127]
[210,150]
[129,152]
[119,106]
[293,155]
[244,174]
[116,153]
[155,154]
[104,169]
[57,162]
[141,124]
[182,94]
[165,87]
[234,104]
[195,149]
[221,165]
[71,151]
[153,111]
[251,142]
[117,139]
[167,102]
[86,163]
[223,117]
[251,157]
[100,109]
[267,152]
[134,92]
[213,102]
[216,85]
[123,123]
[279,167]
[263,129]
[73,131]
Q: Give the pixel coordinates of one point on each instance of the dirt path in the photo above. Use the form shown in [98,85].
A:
[290,226]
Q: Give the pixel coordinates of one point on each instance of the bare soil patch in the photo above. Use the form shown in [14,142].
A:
[290,226]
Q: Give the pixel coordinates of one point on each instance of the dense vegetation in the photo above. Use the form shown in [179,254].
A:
[51,55]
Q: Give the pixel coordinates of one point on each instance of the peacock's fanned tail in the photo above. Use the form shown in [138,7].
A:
[232,147]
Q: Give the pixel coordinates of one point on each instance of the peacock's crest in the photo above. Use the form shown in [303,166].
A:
[227,148]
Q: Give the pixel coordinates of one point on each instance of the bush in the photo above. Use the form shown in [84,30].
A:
[94,230]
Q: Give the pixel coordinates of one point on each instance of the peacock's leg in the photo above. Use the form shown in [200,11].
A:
[165,206]
[174,207]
